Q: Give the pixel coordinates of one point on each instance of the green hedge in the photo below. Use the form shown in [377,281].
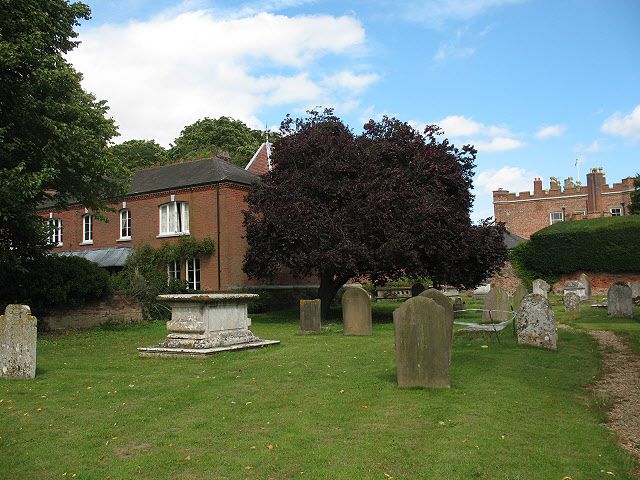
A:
[595,245]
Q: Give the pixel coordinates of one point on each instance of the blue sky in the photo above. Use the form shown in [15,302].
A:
[533,84]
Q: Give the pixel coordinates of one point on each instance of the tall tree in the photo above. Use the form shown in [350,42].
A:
[140,153]
[208,137]
[53,134]
[386,203]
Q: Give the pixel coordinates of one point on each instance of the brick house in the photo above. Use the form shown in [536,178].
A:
[525,213]
[201,198]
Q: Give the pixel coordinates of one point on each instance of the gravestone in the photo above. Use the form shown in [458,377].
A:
[458,304]
[518,295]
[356,311]
[586,281]
[619,301]
[635,293]
[423,344]
[576,287]
[442,300]
[496,305]
[417,289]
[540,287]
[536,323]
[18,335]
[571,302]
[310,316]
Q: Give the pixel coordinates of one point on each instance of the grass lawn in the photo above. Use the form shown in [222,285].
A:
[316,406]
[596,319]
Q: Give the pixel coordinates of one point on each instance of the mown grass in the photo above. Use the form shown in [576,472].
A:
[590,318]
[315,406]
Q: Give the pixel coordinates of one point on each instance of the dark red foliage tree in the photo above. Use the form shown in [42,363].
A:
[386,203]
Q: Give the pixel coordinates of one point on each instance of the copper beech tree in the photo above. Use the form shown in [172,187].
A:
[390,202]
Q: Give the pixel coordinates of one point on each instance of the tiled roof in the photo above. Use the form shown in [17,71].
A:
[105,257]
[188,174]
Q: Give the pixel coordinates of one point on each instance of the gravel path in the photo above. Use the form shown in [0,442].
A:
[621,382]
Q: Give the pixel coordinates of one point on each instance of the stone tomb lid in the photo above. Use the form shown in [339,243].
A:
[208,297]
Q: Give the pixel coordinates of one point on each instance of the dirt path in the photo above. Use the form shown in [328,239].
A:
[621,382]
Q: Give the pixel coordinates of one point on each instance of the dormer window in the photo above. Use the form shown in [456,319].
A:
[174,219]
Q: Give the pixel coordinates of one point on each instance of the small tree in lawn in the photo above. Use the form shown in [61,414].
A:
[387,203]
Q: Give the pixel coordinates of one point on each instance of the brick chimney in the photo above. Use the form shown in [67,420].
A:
[595,181]
[568,183]
[537,186]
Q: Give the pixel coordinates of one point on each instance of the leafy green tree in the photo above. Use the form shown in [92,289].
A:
[53,135]
[208,137]
[140,153]
[634,208]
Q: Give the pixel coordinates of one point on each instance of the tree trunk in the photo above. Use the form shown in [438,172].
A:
[329,286]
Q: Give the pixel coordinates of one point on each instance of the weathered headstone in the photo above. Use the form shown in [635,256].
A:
[18,335]
[536,323]
[442,300]
[310,316]
[417,289]
[576,287]
[356,312]
[586,281]
[458,304]
[619,300]
[635,293]
[518,295]
[571,302]
[496,305]
[423,344]
[540,287]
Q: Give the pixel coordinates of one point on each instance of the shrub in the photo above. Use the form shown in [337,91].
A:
[54,281]
[593,245]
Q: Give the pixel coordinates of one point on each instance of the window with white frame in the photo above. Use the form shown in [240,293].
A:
[55,229]
[555,217]
[193,274]
[125,224]
[173,271]
[87,229]
[616,211]
[174,218]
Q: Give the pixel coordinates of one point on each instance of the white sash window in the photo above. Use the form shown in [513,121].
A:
[174,218]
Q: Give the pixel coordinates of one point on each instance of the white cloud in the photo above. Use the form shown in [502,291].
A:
[627,126]
[550,131]
[513,179]
[593,147]
[449,50]
[435,13]
[167,72]
[486,138]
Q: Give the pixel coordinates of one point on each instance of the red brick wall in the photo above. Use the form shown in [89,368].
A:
[600,282]
[116,309]
[259,164]
[526,213]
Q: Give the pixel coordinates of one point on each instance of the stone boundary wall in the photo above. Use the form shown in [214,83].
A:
[600,282]
[116,309]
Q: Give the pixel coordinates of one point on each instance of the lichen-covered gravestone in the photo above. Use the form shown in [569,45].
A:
[576,287]
[423,344]
[518,295]
[356,311]
[458,304]
[536,323]
[635,292]
[619,301]
[496,305]
[540,287]
[310,316]
[442,300]
[586,281]
[18,335]
[571,302]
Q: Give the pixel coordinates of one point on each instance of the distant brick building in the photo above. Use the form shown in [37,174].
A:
[201,198]
[525,213]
